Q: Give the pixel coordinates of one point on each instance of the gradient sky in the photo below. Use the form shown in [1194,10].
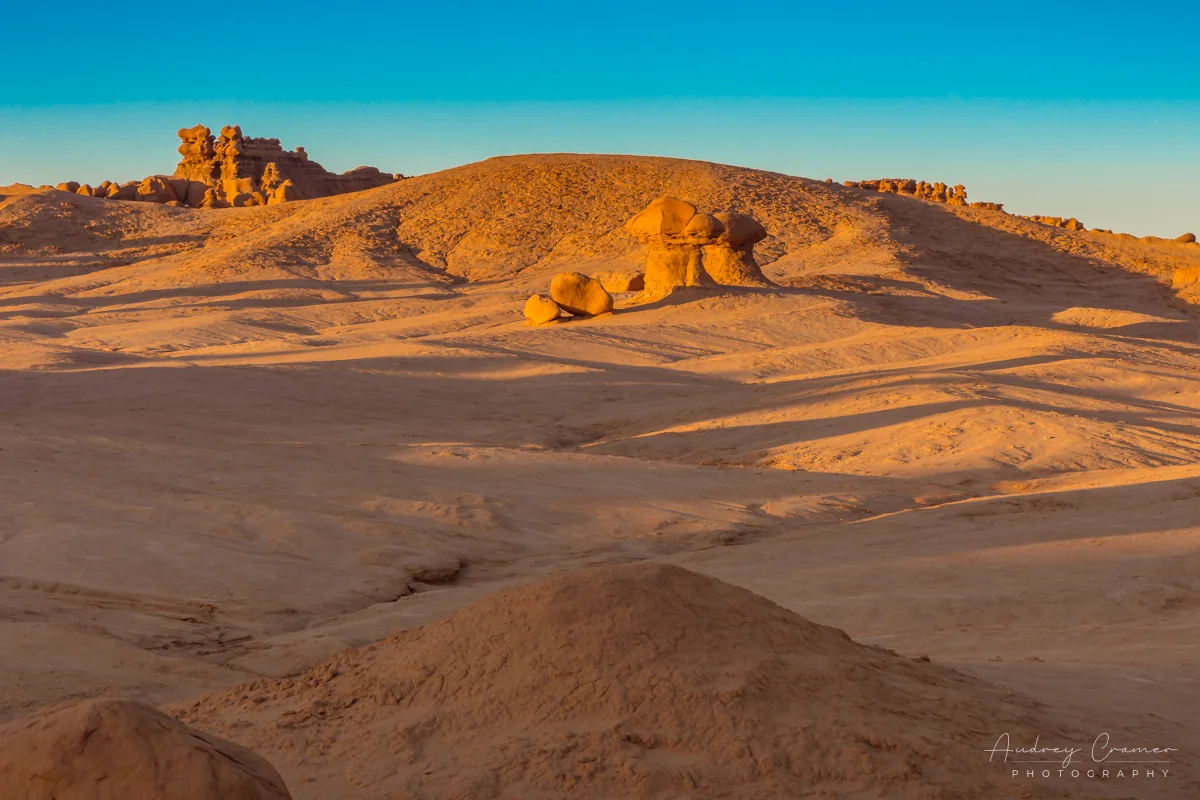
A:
[1088,110]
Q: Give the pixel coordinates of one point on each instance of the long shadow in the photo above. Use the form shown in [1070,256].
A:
[224,295]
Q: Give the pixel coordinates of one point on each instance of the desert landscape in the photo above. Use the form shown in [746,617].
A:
[591,476]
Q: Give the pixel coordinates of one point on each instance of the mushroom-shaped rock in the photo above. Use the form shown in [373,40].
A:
[540,309]
[622,281]
[1187,238]
[108,749]
[730,260]
[673,245]
[580,294]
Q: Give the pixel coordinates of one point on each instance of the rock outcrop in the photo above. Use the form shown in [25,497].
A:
[954,196]
[933,192]
[236,170]
[1187,238]
[257,171]
[686,247]
[579,294]
[540,309]
[100,749]
[1070,223]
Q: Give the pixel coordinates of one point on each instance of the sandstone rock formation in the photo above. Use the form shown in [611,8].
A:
[674,235]
[731,260]
[579,294]
[253,171]
[685,247]
[235,170]
[1187,238]
[623,281]
[1070,224]
[934,192]
[540,309]
[102,749]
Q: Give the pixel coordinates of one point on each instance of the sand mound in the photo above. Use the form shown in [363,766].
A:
[121,750]
[635,681]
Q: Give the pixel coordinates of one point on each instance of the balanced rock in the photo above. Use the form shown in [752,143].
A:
[540,309]
[118,749]
[686,247]
[579,294]
[674,256]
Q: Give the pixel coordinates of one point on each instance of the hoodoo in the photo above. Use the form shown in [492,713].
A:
[686,247]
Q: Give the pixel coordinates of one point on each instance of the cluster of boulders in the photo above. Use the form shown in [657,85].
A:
[687,247]
[571,292]
[233,170]
[933,192]
[1070,224]
[155,189]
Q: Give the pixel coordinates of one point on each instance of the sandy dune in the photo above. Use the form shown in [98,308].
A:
[236,442]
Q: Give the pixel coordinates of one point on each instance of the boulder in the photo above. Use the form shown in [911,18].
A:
[579,294]
[624,281]
[666,216]
[1187,238]
[69,186]
[118,749]
[126,191]
[540,309]
[156,189]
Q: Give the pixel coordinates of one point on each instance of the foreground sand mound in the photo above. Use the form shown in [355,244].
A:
[122,750]
[635,681]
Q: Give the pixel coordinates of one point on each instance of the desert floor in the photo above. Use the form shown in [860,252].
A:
[233,443]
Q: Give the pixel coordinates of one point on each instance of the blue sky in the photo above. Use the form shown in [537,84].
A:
[1089,110]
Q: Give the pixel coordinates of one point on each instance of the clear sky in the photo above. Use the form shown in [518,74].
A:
[1088,110]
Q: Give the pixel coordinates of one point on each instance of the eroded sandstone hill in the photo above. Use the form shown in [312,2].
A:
[521,217]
